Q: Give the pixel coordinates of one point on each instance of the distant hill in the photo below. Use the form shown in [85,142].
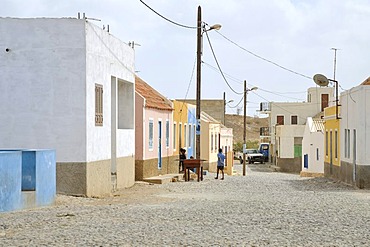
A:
[253,125]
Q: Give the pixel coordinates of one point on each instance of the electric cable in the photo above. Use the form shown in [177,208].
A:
[262,58]
[178,24]
[218,65]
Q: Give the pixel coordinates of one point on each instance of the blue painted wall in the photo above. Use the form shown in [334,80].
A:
[192,121]
[27,179]
[10,184]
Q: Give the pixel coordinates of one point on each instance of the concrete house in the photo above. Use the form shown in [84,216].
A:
[226,143]
[68,85]
[210,130]
[355,135]
[287,123]
[313,148]
[153,133]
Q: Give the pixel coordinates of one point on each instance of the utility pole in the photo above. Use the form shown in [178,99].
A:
[199,58]
[244,127]
[224,107]
[336,83]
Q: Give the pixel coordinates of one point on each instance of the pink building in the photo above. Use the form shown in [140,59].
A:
[153,133]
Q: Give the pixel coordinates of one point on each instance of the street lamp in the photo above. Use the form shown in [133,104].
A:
[246,90]
[200,30]
[322,81]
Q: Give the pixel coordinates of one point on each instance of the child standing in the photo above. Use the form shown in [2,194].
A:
[220,163]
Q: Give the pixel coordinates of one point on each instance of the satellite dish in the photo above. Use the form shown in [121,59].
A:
[321,80]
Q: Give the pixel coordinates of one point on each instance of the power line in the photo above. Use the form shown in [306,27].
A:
[218,65]
[235,106]
[228,75]
[262,58]
[191,79]
[275,93]
[178,24]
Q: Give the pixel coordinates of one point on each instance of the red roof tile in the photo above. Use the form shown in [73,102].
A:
[153,99]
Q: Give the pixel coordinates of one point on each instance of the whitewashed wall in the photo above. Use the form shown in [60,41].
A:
[49,77]
[313,140]
[107,56]
[42,83]
[355,112]
[302,109]
[286,134]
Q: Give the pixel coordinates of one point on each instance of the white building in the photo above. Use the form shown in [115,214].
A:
[286,125]
[355,135]
[68,85]
[313,148]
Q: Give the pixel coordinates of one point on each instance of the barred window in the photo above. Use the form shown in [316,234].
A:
[98,105]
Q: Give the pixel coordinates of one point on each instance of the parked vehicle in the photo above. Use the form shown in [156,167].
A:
[254,156]
[264,150]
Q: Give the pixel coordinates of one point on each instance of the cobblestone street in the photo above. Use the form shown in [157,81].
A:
[264,208]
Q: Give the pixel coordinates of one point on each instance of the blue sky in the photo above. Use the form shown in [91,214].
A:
[296,35]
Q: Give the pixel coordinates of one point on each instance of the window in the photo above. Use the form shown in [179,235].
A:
[280,120]
[331,145]
[336,144]
[326,143]
[294,120]
[211,142]
[167,133]
[216,142]
[151,134]
[194,135]
[185,136]
[345,143]
[190,136]
[349,143]
[317,154]
[174,136]
[98,105]
[180,135]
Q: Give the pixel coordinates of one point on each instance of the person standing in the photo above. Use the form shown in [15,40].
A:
[220,163]
[182,158]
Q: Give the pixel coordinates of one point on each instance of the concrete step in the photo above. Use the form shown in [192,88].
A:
[164,179]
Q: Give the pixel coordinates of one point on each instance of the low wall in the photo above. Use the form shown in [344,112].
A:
[362,175]
[27,179]
[149,168]
[290,165]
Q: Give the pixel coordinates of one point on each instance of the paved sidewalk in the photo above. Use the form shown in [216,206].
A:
[261,209]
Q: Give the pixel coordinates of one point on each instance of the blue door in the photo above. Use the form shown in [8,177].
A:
[305,161]
[159,144]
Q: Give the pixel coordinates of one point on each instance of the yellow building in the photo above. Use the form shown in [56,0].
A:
[332,142]
[180,121]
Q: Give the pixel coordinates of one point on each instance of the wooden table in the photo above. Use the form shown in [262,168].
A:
[193,163]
